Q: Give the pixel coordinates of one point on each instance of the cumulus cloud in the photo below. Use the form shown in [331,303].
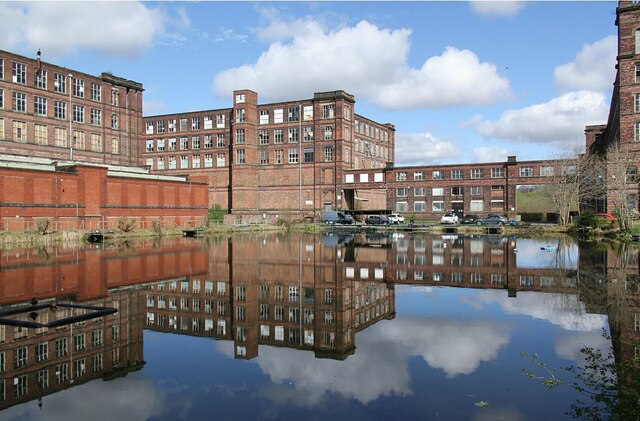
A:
[424,148]
[457,347]
[65,27]
[490,154]
[561,120]
[593,67]
[497,8]
[305,57]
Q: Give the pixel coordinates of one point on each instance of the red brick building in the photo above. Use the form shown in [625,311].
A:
[280,158]
[53,112]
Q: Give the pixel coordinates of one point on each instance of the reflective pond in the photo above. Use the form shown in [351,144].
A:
[305,326]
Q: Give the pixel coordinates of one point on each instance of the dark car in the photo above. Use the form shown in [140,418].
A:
[376,220]
[469,219]
[492,220]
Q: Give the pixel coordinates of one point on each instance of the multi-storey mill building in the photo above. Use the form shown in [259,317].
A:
[272,158]
[49,111]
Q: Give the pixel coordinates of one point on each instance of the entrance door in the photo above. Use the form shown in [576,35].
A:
[458,208]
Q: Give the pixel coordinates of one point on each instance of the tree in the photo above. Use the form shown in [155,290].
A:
[620,173]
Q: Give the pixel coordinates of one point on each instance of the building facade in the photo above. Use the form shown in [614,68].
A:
[53,112]
[277,158]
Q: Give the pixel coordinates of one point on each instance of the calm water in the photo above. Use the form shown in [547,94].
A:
[301,326]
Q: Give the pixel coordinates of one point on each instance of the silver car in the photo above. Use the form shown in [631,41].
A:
[449,218]
[493,220]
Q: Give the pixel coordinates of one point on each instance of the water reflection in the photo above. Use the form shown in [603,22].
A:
[294,304]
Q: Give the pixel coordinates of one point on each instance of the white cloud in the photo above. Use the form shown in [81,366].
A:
[154,107]
[457,347]
[423,148]
[306,57]
[560,120]
[593,67]
[496,8]
[490,154]
[65,27]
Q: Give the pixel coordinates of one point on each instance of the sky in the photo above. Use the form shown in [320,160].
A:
[461,81]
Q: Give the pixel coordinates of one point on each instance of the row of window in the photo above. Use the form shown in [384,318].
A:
[41,136]
[479,173]
[40,80]
[439,191]
[370,131]
[40,108]
[207,160]
[496,205]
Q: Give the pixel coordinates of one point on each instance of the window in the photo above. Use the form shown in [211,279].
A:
[78,87]
[195,161]
[60,110]
[195,123]
[264,157]
[240,156]
[96,142]
[497,172]
[293,156]
[220,121]
[41,134]
[636,136]
[477,173]
[437,175]
[475,190]
[78,113]
[437,206]
[526,172]
[568,170]
[278,136]
[456,191]
[279,156]
[401,192]
[208,160]
[40,79]
[115,145]
[419,206]
[418,175]
[264,116]
[308,154]
[220,141]
[476,206]
[632,201]
[294,113]
[401,176]
[293,135]
[220,160]
[115,97]
[239,136]
[637,41]
[96,117]
[307,113]
[149,127]
[19,131]
[184,143]
[173,144]
[437,191]
[160,126]
[1,98]
[1,68]
[20,357]
[171,125]
[20,102]
[637,73]
[149,144]
[457,174]
[328,111]
[547,171]
[19,72]
[308,134]
[278,115]
[263,136]
[240,115]
[61,137]
[328,132]
[419,191]
[96,92]
[328,154]
[115,125]
[40,105]
[632,174]
[161,145]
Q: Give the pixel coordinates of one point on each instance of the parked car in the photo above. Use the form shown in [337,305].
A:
[376,220]
[335,217]
[492,219]
[605,216]
[469,218]
[396,218]
[449,218]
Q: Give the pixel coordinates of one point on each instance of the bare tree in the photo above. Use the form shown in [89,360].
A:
[621,178]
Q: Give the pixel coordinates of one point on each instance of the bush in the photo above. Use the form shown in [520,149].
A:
[157,227]
[126,224]
[587,219]
[42,225]
[216,214]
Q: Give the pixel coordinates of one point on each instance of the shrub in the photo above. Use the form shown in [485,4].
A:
[126,224]
[216,214]
[42,225]
[157,227]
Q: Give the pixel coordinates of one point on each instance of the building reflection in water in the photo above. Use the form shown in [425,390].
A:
[302,291]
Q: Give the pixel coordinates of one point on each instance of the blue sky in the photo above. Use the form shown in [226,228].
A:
[461,81]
